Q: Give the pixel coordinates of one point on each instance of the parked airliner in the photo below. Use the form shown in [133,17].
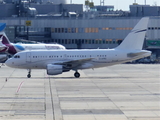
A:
[58,61]
[11,48]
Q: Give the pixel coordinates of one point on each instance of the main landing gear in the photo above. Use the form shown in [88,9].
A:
[29,73]
[77,74]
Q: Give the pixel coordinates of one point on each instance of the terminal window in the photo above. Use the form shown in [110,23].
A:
[124,28]
[69,30]
[107,28]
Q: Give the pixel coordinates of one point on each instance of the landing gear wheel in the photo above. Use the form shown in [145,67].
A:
[76,74]
[29,75]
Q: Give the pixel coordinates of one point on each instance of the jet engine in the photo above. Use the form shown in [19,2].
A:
[54,69]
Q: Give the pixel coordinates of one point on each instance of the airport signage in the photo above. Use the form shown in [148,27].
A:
[28,23]
[153,42]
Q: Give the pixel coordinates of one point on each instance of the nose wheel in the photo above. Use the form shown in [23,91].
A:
[76,74]
[29,73]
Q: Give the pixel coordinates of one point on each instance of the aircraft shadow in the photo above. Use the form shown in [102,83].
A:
[51,78]
[88,78]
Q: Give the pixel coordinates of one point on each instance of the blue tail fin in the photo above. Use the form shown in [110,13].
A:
[3,36]
[2,26]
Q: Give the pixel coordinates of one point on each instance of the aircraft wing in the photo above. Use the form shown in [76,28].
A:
[74,63]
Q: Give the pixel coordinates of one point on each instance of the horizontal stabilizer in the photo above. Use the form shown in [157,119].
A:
[136,54]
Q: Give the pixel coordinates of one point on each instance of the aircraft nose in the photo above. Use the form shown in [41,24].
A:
[9,63]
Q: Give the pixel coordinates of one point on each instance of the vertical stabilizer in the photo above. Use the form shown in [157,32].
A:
[5,39]
[3,36]
[135,38]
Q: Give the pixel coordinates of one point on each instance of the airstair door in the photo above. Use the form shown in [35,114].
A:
[65,56]
[28,57]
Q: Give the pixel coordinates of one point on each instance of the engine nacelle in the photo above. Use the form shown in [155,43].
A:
[54,69]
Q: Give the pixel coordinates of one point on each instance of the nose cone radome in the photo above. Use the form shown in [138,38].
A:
[9,63]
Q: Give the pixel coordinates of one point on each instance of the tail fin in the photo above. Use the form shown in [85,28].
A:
[135,38]
[4,38]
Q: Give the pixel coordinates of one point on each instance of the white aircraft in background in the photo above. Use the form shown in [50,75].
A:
[56,62]
[11,48]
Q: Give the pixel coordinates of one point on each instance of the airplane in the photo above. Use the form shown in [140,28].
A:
[11,48]
[14,48]
[59,61]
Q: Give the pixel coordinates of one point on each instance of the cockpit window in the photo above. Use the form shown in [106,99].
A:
[16,56]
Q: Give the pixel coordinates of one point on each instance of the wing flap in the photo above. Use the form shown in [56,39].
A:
[74,63]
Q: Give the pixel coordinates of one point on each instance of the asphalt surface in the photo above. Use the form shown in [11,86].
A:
[121,92]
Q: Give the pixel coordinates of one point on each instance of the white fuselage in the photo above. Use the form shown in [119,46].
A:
[98,58]
[21,47]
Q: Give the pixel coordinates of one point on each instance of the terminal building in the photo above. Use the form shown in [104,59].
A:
[77,26]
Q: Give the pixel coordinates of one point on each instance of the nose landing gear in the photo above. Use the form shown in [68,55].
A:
[29,73]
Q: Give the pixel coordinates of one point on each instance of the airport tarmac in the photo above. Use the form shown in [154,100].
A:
[121,92]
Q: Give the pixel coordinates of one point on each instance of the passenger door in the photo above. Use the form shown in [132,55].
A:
[28,57]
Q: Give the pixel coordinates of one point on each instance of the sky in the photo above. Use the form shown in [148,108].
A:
[119,4]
